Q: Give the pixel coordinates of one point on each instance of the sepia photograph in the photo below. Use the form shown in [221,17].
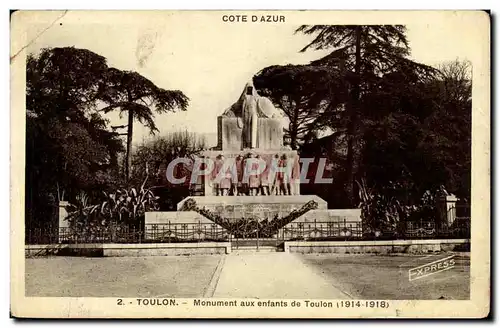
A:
[250,164]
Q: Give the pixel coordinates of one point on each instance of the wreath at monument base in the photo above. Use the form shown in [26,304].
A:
[250,227]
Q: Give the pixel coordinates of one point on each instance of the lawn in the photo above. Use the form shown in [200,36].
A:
[386,277]
[177,276]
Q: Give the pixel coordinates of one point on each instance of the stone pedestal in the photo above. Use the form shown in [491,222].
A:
[63,223]
[448,208]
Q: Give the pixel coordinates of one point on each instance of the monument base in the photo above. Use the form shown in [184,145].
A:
[259,207]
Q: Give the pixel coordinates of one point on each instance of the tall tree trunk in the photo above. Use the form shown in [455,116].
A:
[353,118]
[130,127]
[293,136]
[293,141]
[294,126]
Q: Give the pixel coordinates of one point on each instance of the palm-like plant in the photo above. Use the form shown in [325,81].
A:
[124,208]
[128,206]
[380,212]
[83,218]
[80,211]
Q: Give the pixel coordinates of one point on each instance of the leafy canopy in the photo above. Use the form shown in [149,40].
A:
[133,93]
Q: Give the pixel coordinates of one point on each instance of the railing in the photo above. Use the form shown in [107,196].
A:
[317,230]
[185,232]
[152,233]
[46,235]
[458,228]
[354,230]
[198,232]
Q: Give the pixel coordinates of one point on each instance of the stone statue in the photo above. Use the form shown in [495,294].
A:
[249,113]
[264,178]
[237,183]
[253,179]
[225,181]
[281,181]
[248,109]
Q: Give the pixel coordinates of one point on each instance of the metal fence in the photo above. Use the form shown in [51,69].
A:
[457,228]
[41,235]
[151,233]
[199,232]
[185,232]
[342,230]
[355,230]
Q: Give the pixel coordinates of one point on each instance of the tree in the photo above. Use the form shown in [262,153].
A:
[157,154]
[68,145]
[63,81]
[432,122]
[450,126]
[303,93]
[417,143]
[134,94]
[364,54]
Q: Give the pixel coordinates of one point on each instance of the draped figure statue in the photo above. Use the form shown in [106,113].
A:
[248,109]
[250,120]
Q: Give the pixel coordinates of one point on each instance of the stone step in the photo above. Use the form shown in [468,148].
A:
[251,249]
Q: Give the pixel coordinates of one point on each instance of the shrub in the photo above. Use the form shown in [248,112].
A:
[119,211]
[128,206]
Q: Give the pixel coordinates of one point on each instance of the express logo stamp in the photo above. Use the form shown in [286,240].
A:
[428,269]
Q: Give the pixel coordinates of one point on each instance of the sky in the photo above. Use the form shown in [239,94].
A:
[211,60]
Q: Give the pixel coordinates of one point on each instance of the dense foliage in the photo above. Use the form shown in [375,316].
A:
[399,128]
[299,91]
[121,209]
[70,146]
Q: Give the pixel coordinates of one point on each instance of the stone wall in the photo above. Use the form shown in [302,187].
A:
[378,246]
[270,133]
[180,250]
[171,249]
[229,135]
[119,250]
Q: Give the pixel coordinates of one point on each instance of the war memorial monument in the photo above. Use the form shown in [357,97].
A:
[254,176]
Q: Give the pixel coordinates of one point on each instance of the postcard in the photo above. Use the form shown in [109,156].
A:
[250,164]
